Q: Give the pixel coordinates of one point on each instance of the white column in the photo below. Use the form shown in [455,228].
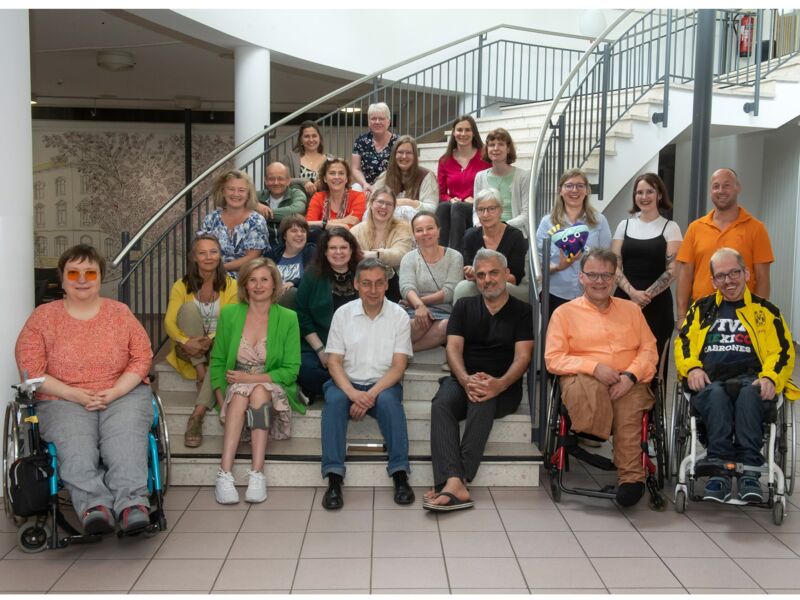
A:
[251,102]
[16,206]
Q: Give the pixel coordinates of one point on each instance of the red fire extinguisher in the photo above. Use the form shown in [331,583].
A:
[746,26]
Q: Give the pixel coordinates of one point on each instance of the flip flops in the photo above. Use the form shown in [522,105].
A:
[454,503]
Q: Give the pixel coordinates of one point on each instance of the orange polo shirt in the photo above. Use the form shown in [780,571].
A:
[747,235]
[580,335]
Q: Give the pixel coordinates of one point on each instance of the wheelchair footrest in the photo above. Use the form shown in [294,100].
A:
[601,462]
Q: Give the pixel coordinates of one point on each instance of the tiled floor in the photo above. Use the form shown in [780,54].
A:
[514,541]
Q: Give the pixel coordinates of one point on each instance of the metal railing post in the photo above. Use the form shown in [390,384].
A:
[124,291]
[187,170]
[663,117]
[544,317]
[604,117]
[753,106]
[560,128]
[481,39]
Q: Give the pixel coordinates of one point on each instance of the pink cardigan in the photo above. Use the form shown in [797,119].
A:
[88,354]
[455,182]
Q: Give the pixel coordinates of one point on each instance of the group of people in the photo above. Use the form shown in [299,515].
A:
[315,289]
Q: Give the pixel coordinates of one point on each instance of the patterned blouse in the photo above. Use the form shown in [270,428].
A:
[373,163]
[251,234]
[89,354]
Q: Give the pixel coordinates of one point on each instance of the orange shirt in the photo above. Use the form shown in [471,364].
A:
[355,204]
[580,336]
[747,235]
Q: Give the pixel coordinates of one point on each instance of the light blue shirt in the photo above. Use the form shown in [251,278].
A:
[565,284]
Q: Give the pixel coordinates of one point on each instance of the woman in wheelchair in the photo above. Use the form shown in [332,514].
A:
[735,353]
[93,405]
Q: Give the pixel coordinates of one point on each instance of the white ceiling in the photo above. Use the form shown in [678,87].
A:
[64,71]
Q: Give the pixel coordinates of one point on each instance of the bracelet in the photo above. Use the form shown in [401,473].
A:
[320,350]
[630,376]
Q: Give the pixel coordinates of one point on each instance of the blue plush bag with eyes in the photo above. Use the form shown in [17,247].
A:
[572,240]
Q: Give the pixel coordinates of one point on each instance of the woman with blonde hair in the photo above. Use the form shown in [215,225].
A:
[575,226]
[236,223]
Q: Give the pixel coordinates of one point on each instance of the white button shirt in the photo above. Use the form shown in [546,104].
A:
[368,345]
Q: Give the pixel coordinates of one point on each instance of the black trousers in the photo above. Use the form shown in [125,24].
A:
[454,457]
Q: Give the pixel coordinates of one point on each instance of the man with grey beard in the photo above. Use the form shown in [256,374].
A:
[489,347]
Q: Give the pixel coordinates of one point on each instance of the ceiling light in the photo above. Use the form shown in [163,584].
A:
[34,101]
[351,109]
[115,60]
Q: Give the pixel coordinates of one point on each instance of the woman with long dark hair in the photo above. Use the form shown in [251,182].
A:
[306,157]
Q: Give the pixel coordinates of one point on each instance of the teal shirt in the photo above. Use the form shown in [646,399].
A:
[283,349]
[314,306]
[503,185]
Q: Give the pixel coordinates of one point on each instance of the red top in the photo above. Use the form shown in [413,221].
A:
[89,354]
[455,182]
[355,204]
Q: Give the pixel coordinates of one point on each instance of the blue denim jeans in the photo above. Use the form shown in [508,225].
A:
[733,424]
[312,374]
[388,411]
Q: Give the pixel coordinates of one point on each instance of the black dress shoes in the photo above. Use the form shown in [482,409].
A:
[403,494]
[333,497]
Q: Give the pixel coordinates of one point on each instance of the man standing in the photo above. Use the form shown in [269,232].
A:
[606,356]
[279,199]
[729,225]
[368,348]
[489,346]
[735,352]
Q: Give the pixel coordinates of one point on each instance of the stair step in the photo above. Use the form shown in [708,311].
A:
[296,462]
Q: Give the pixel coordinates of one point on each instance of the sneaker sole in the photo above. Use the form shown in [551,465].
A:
[751,497]
[98,527]
[219,501]
[255,500]
[715,499]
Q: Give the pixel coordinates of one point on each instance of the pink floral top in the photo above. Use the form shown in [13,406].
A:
[89,354]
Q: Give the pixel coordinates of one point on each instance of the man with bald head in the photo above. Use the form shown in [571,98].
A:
[727,225]
[279,199]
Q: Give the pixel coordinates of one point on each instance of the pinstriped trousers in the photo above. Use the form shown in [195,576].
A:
[454,457]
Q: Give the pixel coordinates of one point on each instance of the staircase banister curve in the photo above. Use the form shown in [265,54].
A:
[366,78]
[533,257]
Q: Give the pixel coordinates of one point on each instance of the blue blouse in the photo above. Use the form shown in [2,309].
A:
[251,234]
[565,284]
[373,163]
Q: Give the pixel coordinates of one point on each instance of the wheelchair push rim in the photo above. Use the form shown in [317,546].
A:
[164,454]
[12,450]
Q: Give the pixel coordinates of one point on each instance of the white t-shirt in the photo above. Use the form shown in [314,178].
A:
[639,230]
[368,345]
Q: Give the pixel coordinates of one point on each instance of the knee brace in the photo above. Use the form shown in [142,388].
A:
[258,418]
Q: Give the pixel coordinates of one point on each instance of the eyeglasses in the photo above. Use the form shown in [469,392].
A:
[382,203]
[574,186]
[487,209]
[733,274]
[88,275]
[606,277]
[405,153]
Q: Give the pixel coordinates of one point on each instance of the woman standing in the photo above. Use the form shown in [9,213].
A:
[254,365]
[456,176]
[371,150]
[414,186]
[571,208]
[513,183]
[647,244]
[336,205]
[428,277]
[384,236]
[306,158]
[191,323]
[327,284]
[241,231]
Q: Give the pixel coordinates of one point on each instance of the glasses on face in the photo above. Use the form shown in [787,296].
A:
[574,186]
[483,210]
[382,203]
[605,277]
[405,153]
[88,275]
[733,274]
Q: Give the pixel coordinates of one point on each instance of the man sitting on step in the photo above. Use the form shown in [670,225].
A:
[368,347]
[489,347]
[605,354]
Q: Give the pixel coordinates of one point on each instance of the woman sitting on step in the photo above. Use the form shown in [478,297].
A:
[191,322]
[254,364]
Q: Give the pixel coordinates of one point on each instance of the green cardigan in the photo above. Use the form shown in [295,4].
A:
[314,306]
[283,349]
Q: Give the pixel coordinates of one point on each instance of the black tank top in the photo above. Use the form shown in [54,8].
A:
[643,261]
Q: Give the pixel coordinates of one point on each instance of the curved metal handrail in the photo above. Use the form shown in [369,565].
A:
[533,258]
[267,130]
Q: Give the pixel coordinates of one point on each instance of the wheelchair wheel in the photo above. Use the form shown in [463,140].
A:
[551,431]
[777,513]
[678,430]
[13,448]
[555,490]
[658,430]
[32,537]
[791,440]
[680,501]
[162,439]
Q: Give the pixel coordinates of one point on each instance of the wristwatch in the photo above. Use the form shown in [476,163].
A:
[630,376]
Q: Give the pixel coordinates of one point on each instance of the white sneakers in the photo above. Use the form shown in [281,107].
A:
[256,487]
[226,493]
[225,490]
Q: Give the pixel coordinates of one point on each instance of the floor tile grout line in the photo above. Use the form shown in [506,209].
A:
[303,542]
[510,543]
[444,556]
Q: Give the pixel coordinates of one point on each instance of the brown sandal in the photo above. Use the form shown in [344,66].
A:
[193,436]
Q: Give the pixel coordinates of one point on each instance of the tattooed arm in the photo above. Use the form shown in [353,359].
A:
[667,277]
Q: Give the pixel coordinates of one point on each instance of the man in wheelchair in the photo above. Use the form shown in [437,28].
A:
[735,353]
[605,353]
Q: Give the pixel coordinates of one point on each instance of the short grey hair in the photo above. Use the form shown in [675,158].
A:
[381,107]
[365,264]
[489,193]
[488,254]
[722,253]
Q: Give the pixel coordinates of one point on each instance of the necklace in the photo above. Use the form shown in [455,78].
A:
[207,311]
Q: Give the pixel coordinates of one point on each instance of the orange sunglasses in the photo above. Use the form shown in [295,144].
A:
[88,275]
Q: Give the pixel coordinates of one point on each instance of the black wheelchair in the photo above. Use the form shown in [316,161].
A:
[687,450]
[36,507]
[561,443]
